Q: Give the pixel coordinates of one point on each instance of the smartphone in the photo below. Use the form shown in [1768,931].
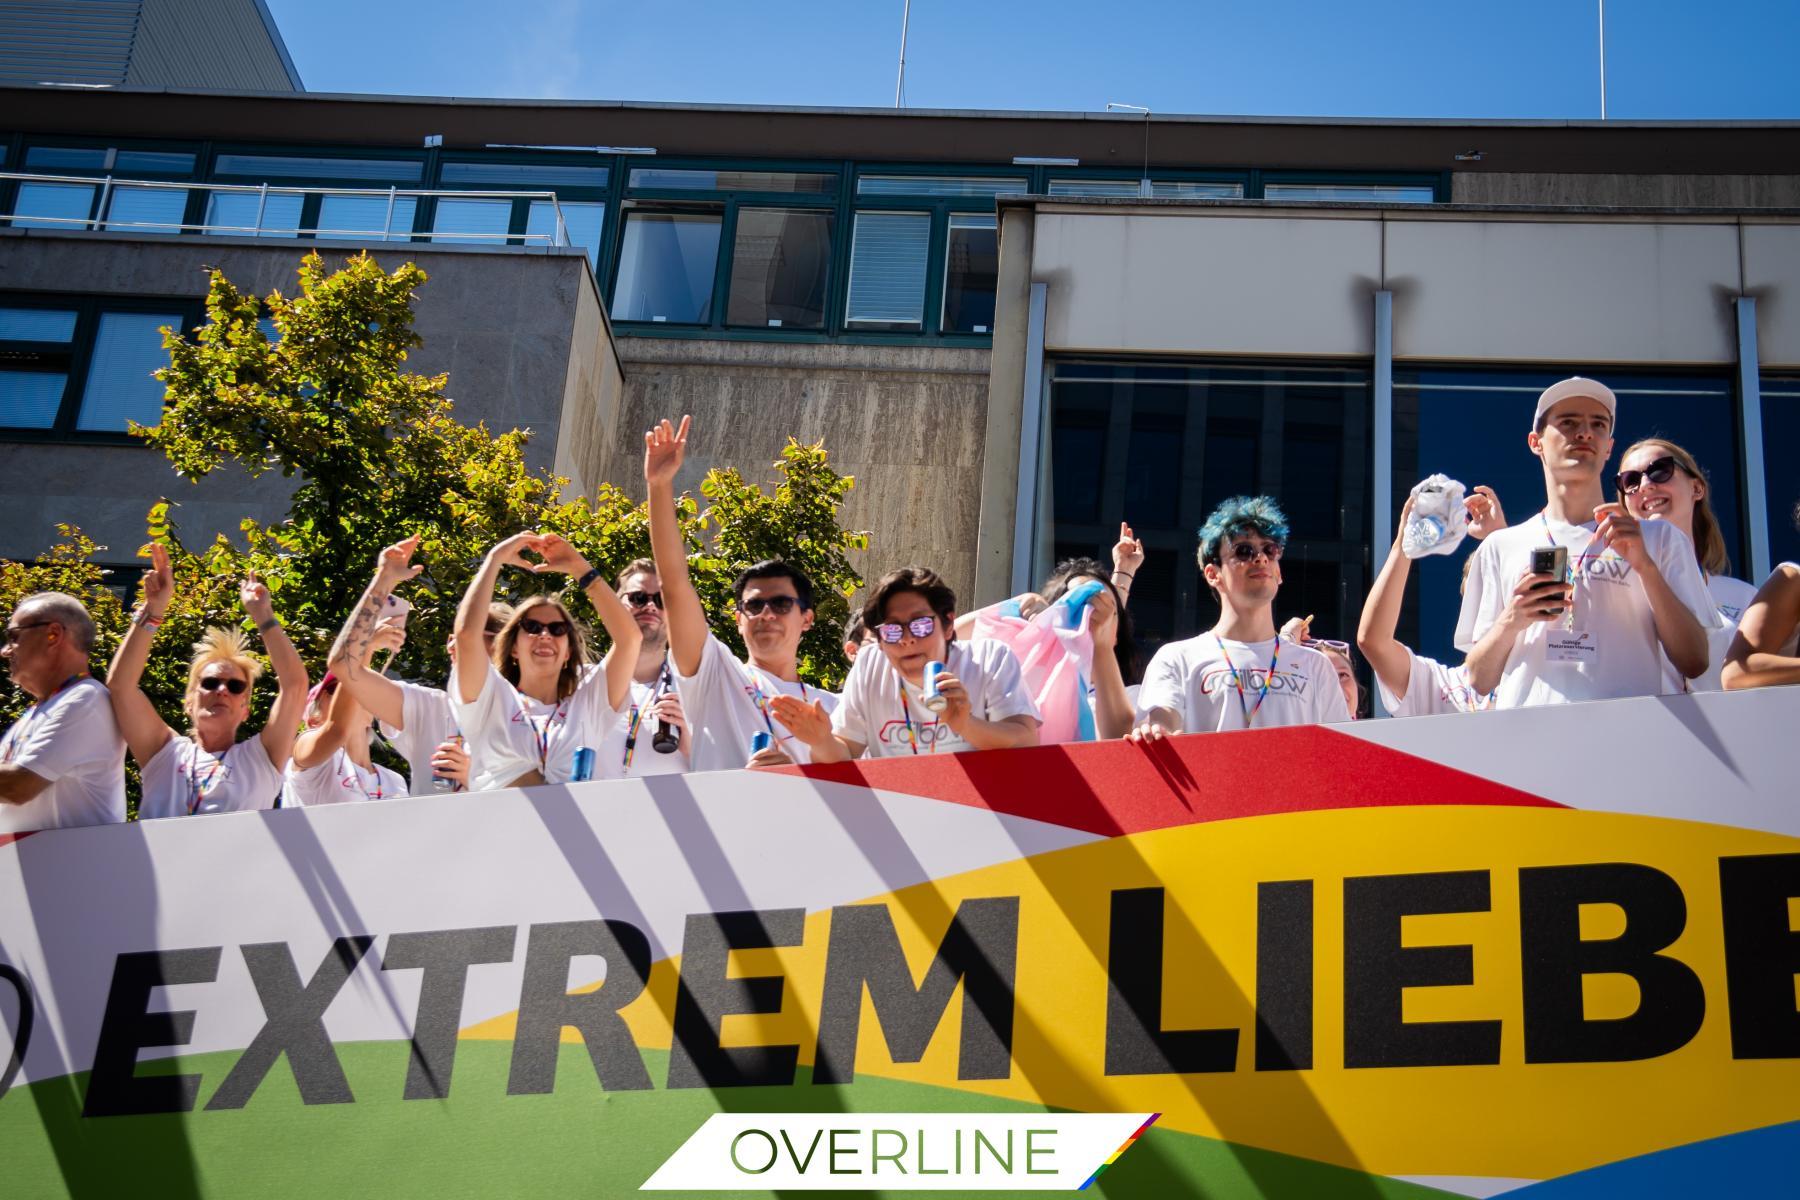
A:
[397,609]
[1552,561]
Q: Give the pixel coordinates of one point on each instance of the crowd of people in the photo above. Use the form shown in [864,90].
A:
[1637,603]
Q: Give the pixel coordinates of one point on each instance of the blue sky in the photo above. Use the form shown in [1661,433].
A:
[1666,59]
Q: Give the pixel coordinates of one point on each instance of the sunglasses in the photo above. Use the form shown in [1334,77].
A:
[642,599]
[1659,471]
[15,632]
[555,629]
[919,627]
[1246,552]
[781,606]
[212,683]
[1342,648]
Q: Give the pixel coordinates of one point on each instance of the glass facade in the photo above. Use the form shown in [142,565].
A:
[1781,468]
[1159,188]
[367,217]
[275,214]
[583,224]
[62,203]
[146,210]
[780,268]
[1161,446]
[120,388]
[667,266]
[971,271]
[82,365]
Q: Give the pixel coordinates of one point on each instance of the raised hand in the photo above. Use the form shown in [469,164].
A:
[395,566]
[1485,514]
[559,557]
[1103,621]
[390,635]
[664,449]
[451,761]
[1297,629]
[1622,533]
[957,709]
[511,551]
[159,582]
[805,719]
[254,596]
[1128,552]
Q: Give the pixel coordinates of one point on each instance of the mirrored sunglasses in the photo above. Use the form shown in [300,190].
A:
[1659,471]
[555,629]
[919,627]
[781,606]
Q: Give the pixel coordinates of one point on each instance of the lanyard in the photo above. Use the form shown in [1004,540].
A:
[762,703]
[357,772]
[16,736]
[637,717]
[1244,705]
[541,733]
[1580,570]
[912,734]
[199,789]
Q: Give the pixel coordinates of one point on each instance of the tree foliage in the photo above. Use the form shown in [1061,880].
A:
[378,454]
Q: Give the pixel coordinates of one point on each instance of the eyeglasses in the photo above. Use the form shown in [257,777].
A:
[919,627]
[555,629]
[781,606]
[15,632]
[1657,472]
[642,599]
[212,683]
[1342,648]
[1246,552]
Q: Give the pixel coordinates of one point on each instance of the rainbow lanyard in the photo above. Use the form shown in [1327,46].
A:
[357,772]
[637,716]
[1244,706]
[541,733]
[762,703]
[199,789]
[912,734]
[16,736]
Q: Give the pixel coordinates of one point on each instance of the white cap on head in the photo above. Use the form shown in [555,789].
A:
[1573,386]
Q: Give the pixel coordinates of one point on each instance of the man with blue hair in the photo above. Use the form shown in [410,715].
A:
[1238,674]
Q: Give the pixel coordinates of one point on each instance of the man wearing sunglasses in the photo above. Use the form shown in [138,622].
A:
[1633,592]
[62,762]
[727,700]
[631,749]
[1239,675]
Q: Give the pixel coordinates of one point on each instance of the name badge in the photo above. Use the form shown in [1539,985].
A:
[1573,646]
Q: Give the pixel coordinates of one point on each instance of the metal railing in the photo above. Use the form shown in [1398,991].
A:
[102,220]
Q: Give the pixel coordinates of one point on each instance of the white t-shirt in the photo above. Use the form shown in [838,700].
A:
[1194,678]
[337,780]
[638,727]
[1613,650]
[429,724]
[1431,689]
[71,740]
[873,713]
[723,702]
[1731,597]
[182,779]
[509,734]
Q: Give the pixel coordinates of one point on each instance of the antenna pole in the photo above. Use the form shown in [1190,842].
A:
[1603,60]
[900,83]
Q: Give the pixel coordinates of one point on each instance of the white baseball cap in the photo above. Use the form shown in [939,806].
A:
[1575,385]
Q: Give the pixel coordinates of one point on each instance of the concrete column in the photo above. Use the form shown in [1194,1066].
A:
[1756,481]
[1005,410]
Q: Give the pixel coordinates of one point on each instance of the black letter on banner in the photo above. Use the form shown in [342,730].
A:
[295,1024]
[980,948]
[1671,1002]
[1762,953]
[114,1088]
[704,996]
[1284,975]
[15,1062]
[1136,1042]
[445,957]
[1378,969]
[545,1005]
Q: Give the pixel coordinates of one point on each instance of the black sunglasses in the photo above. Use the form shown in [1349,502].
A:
[1246,551]
[781,606]
[553,628]
[642,599]
[15,632]
[1659,471]
[212,683]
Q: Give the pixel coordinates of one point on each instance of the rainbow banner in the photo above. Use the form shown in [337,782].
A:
[1549,953]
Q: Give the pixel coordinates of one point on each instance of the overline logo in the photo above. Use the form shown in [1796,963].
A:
[899,1152]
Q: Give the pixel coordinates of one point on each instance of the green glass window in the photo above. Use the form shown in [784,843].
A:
[937,185]
[686,179]
[887,270]
[667,264]
[780,268]
[971,271]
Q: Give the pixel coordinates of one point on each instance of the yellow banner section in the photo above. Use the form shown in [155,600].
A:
[1482,991]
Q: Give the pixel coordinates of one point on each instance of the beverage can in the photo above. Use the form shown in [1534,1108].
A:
[759,741]
[931,698]
[443,783]
[582,768]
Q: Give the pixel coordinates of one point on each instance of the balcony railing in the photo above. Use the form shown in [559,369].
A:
[101,217]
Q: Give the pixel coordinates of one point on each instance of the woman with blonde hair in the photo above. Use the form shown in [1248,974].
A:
[208,769]
[1660,481]
[526,710]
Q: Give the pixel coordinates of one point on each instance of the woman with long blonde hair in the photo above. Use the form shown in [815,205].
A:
[1660,481]
[208,769]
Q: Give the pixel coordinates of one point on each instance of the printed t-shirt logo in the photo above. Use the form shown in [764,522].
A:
[1215,679]
[930,733]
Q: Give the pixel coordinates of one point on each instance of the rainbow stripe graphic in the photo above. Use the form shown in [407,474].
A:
[1114,1157]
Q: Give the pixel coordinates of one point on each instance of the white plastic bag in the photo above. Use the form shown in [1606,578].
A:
[1439,522]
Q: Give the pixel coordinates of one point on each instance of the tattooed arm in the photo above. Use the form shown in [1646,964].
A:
[356,643]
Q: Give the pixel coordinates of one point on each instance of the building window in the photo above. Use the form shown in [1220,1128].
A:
[583,224]
[1470,424]
[667,265]
[1161,446]
[780,268]
[1382,192]
[525,177]
[258,214]
[472,222]
[887,270]
[367,218]
[52,205]
[971,271]
[146,210]
[937,185]
[83,366]
[1184,189]
[684,179]
[276,166]
[1781,469]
